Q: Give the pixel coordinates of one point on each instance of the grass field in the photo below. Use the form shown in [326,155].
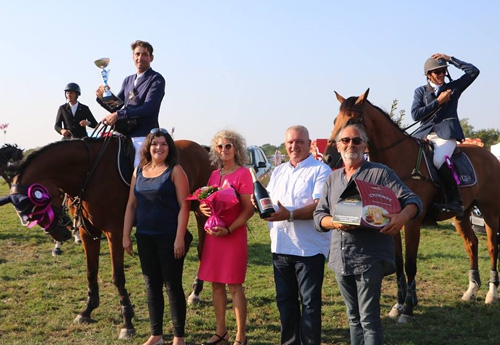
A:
[41,295]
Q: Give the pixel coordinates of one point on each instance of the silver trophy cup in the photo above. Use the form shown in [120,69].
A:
[102,64]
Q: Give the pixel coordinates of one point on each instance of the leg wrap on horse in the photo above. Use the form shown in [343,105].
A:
[474,277]
[197,285]
[494,278]
[402,289]
[127,311]
[93,298]
[411,296]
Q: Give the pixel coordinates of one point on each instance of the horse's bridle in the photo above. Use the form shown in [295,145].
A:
[415,174]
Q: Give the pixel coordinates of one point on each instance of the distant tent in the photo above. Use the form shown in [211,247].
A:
[495,149]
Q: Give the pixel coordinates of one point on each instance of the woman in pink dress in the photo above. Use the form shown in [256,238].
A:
[225,252]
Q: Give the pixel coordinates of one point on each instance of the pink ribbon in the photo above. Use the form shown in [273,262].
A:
[450,165]
[42,213]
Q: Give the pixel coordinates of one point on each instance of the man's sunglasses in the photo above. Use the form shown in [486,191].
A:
[439,71]
[156,130]
[227,146]
[355,141]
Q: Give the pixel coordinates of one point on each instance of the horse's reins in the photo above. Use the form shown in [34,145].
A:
[103,131]
[361,121]
[415,174]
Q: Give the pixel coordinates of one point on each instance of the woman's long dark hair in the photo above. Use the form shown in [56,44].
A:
[173,155]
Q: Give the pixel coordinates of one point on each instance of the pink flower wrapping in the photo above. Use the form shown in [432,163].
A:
[218,201]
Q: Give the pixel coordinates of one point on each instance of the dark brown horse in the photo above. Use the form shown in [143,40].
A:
[9,154]
[90,175]
[390,145]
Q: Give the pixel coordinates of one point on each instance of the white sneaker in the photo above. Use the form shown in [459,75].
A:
[193,298]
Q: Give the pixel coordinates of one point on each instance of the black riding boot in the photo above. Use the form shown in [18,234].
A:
[452,194]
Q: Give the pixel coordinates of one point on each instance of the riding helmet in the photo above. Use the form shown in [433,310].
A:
[431,64]
[73,87]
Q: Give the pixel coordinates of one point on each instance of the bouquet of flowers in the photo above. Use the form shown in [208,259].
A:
[218,200]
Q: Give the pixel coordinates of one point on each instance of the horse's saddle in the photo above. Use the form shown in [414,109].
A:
[125,159]
[461,163]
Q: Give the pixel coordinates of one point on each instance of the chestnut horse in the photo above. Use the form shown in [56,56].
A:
[88,171]
[390,145]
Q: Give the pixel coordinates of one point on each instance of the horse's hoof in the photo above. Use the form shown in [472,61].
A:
[492,295]
[396,310]
[126,333]
[82,319]
[406,318]
[469,296]
[193,298]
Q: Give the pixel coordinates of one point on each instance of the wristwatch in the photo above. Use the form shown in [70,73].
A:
[290,219]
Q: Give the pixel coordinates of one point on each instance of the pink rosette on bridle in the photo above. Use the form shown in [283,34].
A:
[42,213]
[218,200]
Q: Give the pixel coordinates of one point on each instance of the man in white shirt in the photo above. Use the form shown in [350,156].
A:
[299,251]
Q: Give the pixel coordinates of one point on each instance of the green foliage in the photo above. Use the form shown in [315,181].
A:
[488,136]
[268,149]
[467,128]
[400,115]
[41,295]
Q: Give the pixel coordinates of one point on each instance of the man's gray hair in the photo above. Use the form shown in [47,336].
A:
[299,128]
[359,128]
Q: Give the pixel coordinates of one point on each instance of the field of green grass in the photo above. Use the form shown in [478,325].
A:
[40,295]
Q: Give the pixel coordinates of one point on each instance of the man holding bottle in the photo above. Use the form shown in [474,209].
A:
[299,251]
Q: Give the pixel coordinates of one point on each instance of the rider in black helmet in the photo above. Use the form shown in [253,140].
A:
[73,117]
[435,106]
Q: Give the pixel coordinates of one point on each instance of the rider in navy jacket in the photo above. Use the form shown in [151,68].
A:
[141,101]
[435,106]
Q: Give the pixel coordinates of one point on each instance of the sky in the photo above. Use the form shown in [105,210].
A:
[256,67]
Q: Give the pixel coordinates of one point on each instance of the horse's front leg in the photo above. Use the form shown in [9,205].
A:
[397,309]
[91,248]
[194,297]
[464,229]
[412,241]
[118,275]
[492,226]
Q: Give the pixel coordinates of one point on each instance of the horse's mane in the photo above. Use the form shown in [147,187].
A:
[350,105]
[19,169]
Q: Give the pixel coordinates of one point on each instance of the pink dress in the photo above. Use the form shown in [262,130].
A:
[224,259]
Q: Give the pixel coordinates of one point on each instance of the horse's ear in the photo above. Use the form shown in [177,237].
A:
[361,99]
[339,97]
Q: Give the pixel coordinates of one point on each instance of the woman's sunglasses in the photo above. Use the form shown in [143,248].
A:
[355,141]
[227,146]
[156,130]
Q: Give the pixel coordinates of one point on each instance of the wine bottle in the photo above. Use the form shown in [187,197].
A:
[262,199]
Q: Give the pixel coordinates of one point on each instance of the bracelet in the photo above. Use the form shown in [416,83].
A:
[228,231]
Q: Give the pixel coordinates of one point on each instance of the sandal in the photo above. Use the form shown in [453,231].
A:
[222,340]
[241,342]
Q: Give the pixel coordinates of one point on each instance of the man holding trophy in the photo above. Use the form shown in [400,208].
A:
[135,109]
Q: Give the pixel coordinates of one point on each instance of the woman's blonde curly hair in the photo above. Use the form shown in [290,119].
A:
[240,150]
